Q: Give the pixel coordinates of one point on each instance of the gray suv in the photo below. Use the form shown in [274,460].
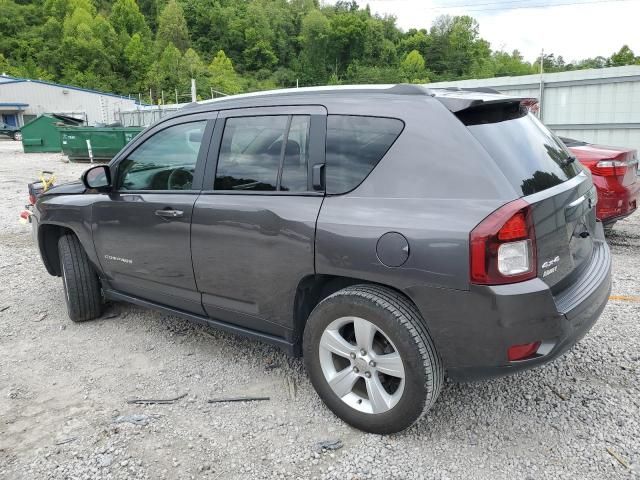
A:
[391,235]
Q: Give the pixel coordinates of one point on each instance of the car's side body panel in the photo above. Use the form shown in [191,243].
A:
[70,210]
[431,200]
[250,253]
[143,254]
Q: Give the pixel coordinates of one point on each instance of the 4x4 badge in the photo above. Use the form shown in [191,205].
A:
[550,263]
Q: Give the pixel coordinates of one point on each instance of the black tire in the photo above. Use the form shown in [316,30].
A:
[80,281]
[17,136]
[608,228]
[398,319]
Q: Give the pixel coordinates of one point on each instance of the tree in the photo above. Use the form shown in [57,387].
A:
[138,60]
[413,68]
[624,56]
[127,18]
[167,73]
[314,40]
[172,28]
[5,67]
[150,10]
[596,62]
[222,75]
[509,64]
[162,43]
[88,50]
[194,67]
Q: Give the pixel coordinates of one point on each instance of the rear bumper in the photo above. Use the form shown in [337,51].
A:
[480,325]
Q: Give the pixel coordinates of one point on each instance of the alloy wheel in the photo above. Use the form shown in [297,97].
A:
[361,365]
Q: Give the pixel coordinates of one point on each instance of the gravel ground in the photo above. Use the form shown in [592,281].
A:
[64,387]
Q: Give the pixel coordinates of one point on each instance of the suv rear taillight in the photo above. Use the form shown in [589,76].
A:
[502,247]
[610,168]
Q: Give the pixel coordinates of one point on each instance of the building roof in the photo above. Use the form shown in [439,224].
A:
[6,80]
[591,75]
[9,104]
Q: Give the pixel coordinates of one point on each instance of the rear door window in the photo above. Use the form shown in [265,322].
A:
[355,145]
[264,153]
[530,156]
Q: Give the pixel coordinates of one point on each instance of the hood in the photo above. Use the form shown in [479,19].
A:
[75,187]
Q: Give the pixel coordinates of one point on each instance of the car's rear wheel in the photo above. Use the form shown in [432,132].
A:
[80,281]
[17,136]
[371,359]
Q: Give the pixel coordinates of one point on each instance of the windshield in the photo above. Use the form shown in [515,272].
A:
[530,156]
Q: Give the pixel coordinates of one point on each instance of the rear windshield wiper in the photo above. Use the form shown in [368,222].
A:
[568,161]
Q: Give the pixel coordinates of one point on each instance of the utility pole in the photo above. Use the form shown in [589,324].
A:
[541,85]
[194,95]
[176,96]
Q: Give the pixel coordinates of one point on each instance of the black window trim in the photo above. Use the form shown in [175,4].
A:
[317,138]
[208,117]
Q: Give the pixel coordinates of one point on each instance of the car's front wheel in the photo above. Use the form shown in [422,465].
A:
[371,359]
[17,136]
[81,284]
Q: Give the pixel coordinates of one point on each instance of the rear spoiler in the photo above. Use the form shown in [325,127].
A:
[459,99]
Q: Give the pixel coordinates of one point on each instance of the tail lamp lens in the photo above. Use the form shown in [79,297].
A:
[502,246]
[609,168]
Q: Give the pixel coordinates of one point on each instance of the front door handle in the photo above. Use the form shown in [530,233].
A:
[169,213]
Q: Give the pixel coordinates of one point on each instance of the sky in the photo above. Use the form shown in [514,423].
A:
[575,29]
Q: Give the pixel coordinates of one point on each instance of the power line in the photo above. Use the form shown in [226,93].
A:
[518,5]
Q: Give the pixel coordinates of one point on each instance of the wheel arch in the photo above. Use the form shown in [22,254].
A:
[48,236]
[312,289]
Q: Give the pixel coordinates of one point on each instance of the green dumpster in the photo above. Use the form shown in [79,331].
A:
[41,134]
[105,141]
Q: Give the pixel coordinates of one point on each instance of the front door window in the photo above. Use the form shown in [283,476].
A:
[166,161]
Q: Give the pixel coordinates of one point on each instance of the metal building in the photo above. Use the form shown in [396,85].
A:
[22,100]
[596,105]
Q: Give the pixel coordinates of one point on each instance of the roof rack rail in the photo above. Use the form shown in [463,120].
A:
[393,89]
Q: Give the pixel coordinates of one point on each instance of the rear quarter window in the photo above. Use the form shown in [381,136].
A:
[355,145]
[531,157]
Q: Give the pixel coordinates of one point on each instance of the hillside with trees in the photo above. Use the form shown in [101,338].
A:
[153,48]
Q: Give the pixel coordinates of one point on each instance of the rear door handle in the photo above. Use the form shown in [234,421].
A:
[169,213]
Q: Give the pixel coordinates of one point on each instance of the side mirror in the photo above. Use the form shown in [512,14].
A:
[98,177]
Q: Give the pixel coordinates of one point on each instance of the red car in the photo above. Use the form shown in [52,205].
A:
[615,175]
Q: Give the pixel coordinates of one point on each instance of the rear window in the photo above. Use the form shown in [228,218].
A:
[531,157]
[355,145]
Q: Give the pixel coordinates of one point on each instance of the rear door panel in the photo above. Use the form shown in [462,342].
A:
[249,254]
[251,249]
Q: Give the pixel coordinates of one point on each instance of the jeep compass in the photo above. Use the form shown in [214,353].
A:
[391,235]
